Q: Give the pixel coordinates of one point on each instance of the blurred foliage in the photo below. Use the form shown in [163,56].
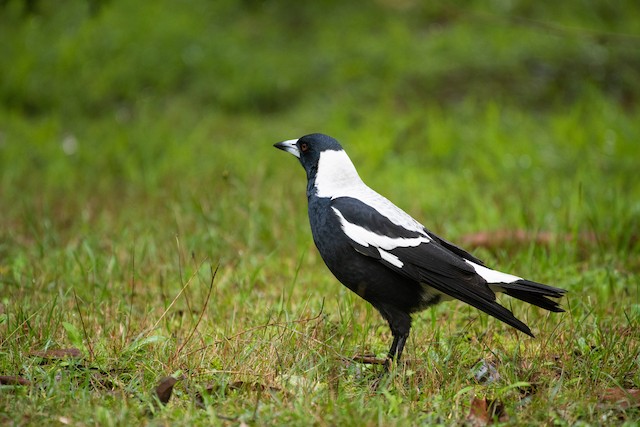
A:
[125,100]
[267,56]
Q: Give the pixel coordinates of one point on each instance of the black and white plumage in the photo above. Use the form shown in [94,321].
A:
[388,258]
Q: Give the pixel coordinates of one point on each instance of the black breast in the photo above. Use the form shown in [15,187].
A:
[364,275]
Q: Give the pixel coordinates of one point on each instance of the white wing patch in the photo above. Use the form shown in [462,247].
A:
[493,276]
[391,258]
[337,177]
[366,238]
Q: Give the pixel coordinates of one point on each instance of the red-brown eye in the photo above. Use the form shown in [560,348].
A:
[304,147]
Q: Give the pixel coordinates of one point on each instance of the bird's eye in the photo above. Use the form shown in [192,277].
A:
[304,147]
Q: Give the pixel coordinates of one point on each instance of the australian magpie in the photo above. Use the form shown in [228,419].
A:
[388,258]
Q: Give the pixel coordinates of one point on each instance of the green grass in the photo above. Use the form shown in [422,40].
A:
[136,158]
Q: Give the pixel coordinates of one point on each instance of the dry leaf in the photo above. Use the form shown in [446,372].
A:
[511,238]
[165,388]
[629,398]
[13,380]
[483,411]
[479,413]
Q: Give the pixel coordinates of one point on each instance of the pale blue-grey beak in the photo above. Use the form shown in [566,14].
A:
[289,146]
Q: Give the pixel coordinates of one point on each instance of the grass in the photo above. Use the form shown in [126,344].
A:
[136,159]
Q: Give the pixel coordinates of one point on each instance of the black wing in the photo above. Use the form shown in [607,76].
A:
[425,258]
[453,248]
[446,272]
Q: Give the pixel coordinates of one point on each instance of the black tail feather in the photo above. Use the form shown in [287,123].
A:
[499,312]
[479,301]
[535,293]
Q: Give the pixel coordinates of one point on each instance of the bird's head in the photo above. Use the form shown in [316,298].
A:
[327,165]
[309,148]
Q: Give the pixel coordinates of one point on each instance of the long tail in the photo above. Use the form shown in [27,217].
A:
[534,293]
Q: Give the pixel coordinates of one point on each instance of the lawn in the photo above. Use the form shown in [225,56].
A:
[148,228]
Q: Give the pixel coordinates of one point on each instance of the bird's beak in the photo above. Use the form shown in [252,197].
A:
[289,146]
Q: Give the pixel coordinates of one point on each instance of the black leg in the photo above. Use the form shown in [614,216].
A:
[395,352]
[400,324]
[394,347]
[402,340]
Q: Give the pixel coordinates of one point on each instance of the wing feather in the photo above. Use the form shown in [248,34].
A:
[423,257]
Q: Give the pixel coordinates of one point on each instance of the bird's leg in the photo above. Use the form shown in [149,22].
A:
[394,347]
[402,340]
[395,352]
[400,325]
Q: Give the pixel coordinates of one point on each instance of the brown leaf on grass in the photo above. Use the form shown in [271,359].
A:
[623,398]
[482,412]
[58,353]
[479,413]
[13,380]
[165,388]
[512,238]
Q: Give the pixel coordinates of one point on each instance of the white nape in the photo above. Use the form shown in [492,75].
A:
[337,177]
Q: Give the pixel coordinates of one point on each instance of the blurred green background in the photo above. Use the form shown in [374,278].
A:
[136,136]
[117,109]
[104,99]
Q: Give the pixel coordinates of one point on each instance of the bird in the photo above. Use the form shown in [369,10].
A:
[388,258]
